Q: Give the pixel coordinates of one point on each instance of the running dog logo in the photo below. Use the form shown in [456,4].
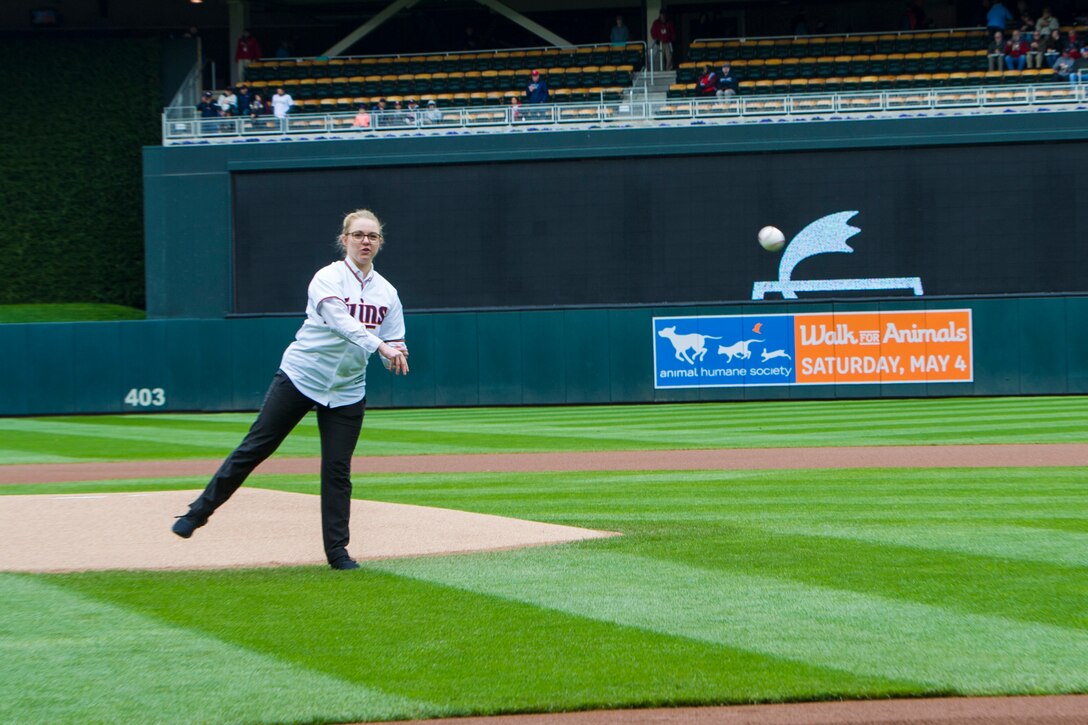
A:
[681,360]
[682,343]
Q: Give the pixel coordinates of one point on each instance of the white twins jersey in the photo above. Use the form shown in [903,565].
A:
[347,318]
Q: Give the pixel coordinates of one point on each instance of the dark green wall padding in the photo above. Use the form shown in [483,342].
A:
[1022,346]
[188,209]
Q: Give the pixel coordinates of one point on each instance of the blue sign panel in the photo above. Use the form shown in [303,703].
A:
[696,352]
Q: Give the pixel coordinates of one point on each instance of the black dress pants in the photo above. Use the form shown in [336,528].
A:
[283,407]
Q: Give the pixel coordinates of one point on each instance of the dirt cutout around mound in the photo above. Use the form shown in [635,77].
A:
[257,528]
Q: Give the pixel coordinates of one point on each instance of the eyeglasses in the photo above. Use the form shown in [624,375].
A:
[374,237]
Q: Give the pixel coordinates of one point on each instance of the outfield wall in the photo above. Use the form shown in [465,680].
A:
[623,216]
[1021,346]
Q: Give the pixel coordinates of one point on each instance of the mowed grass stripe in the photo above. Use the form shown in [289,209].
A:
[15,455]
[777,411]
[843,407]
[1023,543]
[149,433]
[69,658]
[872,425]
[490,430]
[864,634]
[470,652]
[734,520]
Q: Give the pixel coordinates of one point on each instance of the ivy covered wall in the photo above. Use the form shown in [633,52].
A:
[75,114]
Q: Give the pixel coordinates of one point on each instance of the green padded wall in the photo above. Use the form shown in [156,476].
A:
[1027,345]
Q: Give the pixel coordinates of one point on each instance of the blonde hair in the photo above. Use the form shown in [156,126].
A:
[360,214]
[350,218]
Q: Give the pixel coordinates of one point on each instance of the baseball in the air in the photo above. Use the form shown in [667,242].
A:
[772,239]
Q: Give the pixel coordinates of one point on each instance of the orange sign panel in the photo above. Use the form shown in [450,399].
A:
[933,346]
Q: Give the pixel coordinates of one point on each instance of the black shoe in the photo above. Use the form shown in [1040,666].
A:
[186,525]
[344,563]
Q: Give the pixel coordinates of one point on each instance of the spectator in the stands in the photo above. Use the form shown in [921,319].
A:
[914,17]
[247,50]
[284,49]
[411,116]
[536,93]
[281,103]
[381,114]
[397,114]
[259,109]
[228,102]
[663,34]
[1016,52]
[799,23]
[995,51]
[257,106]
[245,99]
[1046,24]
[998,17]
[620,32]
[728,85]
[707,85]
[362,118]
[1064,65]
[1074,45]
[537,89]
[432,115]
[515,109]
[470,42]
[1027,27]
[208,107]
[1052,47]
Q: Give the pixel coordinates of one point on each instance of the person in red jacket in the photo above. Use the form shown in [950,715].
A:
[1016,52]
[663,33]
[707,85]
[248,49]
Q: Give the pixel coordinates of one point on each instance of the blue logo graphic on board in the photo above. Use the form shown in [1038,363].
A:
[727,350]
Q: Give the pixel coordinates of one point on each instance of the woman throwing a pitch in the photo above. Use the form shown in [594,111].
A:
[351,313]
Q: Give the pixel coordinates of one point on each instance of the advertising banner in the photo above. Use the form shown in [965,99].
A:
[833,348]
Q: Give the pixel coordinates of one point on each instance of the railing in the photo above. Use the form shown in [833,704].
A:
[188,94]
[923,33]
[535,50]
[746,109]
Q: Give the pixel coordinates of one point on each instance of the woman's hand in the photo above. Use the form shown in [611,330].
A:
[394,357]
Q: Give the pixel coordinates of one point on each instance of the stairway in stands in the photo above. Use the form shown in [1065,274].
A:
[656,91]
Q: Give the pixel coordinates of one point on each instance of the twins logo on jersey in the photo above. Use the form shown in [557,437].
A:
[370,315]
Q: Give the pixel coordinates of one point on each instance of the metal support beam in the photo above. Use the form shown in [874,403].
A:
[366,28]
[526,23]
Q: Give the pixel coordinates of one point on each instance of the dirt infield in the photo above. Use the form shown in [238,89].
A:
[260,528]
[1059,454]
[1059,710]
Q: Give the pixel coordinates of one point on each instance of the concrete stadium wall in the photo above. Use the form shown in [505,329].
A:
[1022,346]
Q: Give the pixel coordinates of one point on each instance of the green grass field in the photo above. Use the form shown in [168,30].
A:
[588,428]
[726,587]
[69,312]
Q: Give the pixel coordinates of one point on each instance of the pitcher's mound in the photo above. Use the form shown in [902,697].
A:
[257,527]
